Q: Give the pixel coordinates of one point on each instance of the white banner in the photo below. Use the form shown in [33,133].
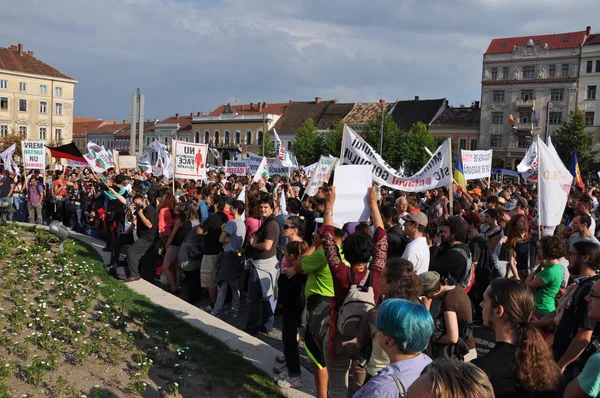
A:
[436,173]
[254,161]
[190,160]
[554,185]
[321,174]
[529,165]
[476,164]
[127,162]
[237,167]
[75,164]
[34,155]
[262,171]
[275,167]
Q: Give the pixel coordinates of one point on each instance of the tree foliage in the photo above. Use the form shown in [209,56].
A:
[12,138]
[572,137]
[269,147]
[392,139]
[309,143]
[413,146]
[332,141]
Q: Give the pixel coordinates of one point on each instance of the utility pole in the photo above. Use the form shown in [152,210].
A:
[264,134]
[381,131]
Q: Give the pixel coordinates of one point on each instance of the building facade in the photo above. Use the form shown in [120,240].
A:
[459,123]
[36,100]
[589,84]
[534,79]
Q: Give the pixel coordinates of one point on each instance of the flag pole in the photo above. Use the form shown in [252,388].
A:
[172,168]
[343,149]
[450,187]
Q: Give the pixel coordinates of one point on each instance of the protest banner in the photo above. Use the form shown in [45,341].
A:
[476,164]
[75,164]
[253,162]
[554,185]
[262,172]
[351,185]
[237,167]
[127,162]
[321,173]
[275,167]
[436,173]
[190,160]
[529,165]
[34,155]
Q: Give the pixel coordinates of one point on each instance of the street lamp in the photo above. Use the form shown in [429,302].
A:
[60,231]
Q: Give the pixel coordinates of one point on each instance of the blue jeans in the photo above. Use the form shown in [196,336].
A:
[259,308]
[19,203]
[77,219]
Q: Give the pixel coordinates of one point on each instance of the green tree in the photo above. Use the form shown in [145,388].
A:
[392,139]
[269,147]
[572,137]
[413,147]
[332,141]
[308,145]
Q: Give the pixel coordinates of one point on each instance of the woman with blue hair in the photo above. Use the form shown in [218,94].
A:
[405,329]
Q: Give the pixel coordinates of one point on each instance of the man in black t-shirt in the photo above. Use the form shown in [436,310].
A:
[6,192]
[115,211]
[147,230]
[450,260]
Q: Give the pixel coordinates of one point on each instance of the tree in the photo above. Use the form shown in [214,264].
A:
[8,140]
[413,148]
[308,145]
[572,137]
[332,141]
[269,147]
[392,139]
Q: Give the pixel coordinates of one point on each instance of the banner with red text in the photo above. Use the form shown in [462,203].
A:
[476,164]
[237,167]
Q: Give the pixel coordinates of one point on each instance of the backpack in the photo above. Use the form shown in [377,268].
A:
[485,261]
[468,276]
[191,249]
[359,300]
[401,389]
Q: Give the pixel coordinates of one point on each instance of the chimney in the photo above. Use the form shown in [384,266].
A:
[381,102]
[476,105]
[264,104]
[13,47]
[177,116]
[317,100]
[291,102]
[200,114]
[260,106]
[191,114]
[252,106]
[588,30]
[30,53]
[242,107]
[416,98]
[20,49]
[335,101]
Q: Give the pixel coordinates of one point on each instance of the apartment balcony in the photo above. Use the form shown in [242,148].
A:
[524,127]
[526,104]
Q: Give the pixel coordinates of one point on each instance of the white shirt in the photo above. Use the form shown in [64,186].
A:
[417,252]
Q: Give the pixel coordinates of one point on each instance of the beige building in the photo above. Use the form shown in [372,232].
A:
[589,84]
[36,100]
[534,79]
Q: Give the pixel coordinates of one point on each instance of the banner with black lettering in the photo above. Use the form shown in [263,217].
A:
[34,155]
[476,164]
[237,167]
[190,160]
[436,173]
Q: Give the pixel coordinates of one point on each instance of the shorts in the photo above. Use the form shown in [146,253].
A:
[208,271]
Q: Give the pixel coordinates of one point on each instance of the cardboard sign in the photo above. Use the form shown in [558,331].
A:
[476,164]
[127,162]
[33,155]
[351,185]
[237,167]
[190,160]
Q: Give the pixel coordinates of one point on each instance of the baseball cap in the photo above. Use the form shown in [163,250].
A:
[429,281]
[416,217]
[475,191]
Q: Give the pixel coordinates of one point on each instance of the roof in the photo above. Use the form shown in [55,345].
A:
[555,41]
[81,128]
[109,128]
[363,113]
[297,112]
[126,130]
[407,113]
[593,39]
[459,117]
[185,122]
[14,59]
[252,108]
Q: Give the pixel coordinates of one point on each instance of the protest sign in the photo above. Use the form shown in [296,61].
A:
[352,183]
[321,173]
[34,155]
[237,167]
[127,162]
[190,160]
[476,164]
[436,173]
[554,185]
[275,167]
[253,162]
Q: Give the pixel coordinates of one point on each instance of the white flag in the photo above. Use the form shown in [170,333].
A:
[7,158]
[262,171]
[529,165]
[97,157]
[279,148]
[321,173]
[164,160]
[554,185]
[144,164]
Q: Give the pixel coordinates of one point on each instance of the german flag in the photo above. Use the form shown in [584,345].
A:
[67,151]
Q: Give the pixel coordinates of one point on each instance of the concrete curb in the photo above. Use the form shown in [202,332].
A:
[259,353]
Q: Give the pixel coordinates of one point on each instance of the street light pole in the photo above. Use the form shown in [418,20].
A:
[264,133]
[381,132]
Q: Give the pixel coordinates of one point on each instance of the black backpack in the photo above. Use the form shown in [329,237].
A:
[485,260]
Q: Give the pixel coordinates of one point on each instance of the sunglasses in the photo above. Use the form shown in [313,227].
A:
[285,226]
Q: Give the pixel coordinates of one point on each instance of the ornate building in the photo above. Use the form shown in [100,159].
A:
[534,79]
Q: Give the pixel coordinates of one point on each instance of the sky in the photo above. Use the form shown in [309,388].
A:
[192,56]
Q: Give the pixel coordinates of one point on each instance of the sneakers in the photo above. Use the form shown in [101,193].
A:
[215,314]
[290,382]
[232,313]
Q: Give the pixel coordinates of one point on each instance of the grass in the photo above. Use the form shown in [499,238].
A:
[164,349]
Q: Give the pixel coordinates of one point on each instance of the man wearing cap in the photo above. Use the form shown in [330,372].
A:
[417,250]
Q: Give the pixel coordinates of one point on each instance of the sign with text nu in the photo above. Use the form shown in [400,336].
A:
[33,155]
[190,160]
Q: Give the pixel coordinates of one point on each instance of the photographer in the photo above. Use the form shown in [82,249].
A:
[146,222]
[117,195]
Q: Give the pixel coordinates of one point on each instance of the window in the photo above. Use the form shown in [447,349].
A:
[597,69]
[226,138]
[207,137]
[524,141]
[43,107]
[58,91]
[43,89]
[589,67]
[58,108]
[505,73]
[217,137]
[526,95]
[148,141]
[166,141]
[22,86]
[556,94]
[197,137]
[289,145]
[555,117]
[565,70]
[238,137]
[524,117]
[591,92]
[498,96]
[3,130]
[473,144]
[462,143]
[248,137]
[23,131]
[497,117]
[3,104]
[58,135]
[22,105]
[528,72]
[259,138]
[589,119]
[42,133]
[3,84]
[496,140]
[552,71]
[494,73]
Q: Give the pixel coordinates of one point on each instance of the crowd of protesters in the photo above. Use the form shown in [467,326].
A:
[395,300]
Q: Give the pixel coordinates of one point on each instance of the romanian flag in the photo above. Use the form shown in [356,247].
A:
[574,170]
[67,151]
[511,120]
[459,176]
